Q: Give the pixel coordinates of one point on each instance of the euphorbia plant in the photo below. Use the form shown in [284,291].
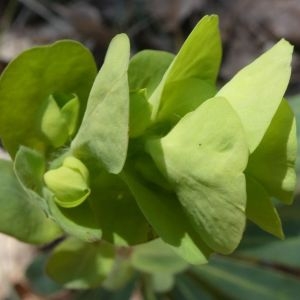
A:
[146,154]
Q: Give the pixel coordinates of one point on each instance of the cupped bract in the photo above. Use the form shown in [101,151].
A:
[69,183]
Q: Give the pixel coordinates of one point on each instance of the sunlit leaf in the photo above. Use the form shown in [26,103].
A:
[103,133]
[65,66]
[198,58]
[204,158]
[256,91]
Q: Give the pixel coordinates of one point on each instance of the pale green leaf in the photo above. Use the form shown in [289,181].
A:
[103,133]
[261,210]
[64,67]
[22,217]
[147,68]
[256,91]
[199,58]
[272,164]
[171,225]
[204,157]
[79,265]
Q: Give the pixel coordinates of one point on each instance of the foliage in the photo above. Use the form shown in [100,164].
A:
[146,160]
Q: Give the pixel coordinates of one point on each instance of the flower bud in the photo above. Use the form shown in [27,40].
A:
[69,183]
[59,118]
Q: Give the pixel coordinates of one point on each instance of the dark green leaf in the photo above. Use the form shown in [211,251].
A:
[261,210]
[21,216]
[25,85]
[80,265]
[38,280]
[243,280]
[172,225]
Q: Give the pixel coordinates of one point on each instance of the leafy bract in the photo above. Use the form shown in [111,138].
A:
[199,58]
[110,213]
[261,210]
[58,124]
[172,225]
[29,167]
[116,211]
[103,133]
[79,265]
[256,91]
[27,82]
[69,183]
[204,157]
[140,113]
[22,217]
[147,68]
[156,257]
[272,164]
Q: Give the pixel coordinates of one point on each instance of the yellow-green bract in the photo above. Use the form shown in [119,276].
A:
[69,183]
[148,149]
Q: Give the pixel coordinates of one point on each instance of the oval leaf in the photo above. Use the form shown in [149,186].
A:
[204,157]
[65,66]
[103,133]
[259,87]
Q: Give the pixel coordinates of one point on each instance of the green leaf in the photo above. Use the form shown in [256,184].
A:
[184,96]
[29,166]
[243,280]
[122,272]
[140,113]
[103,133]
[64,66]
[204,157]
[272,164]
[39,282]
[172,225]
[256,91]
[294,103]
[109,213]
[59,123]
[116,211]
[155,63]
[78,265]
[23,218]
[79,221]
[261,210]
[199,57]
[188,289]
[285,253]
[157,257]
[162,282]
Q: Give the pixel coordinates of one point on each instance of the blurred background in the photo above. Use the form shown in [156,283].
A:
[263,268]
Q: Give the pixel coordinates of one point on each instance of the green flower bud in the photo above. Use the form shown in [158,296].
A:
[69,183]
[59,118]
